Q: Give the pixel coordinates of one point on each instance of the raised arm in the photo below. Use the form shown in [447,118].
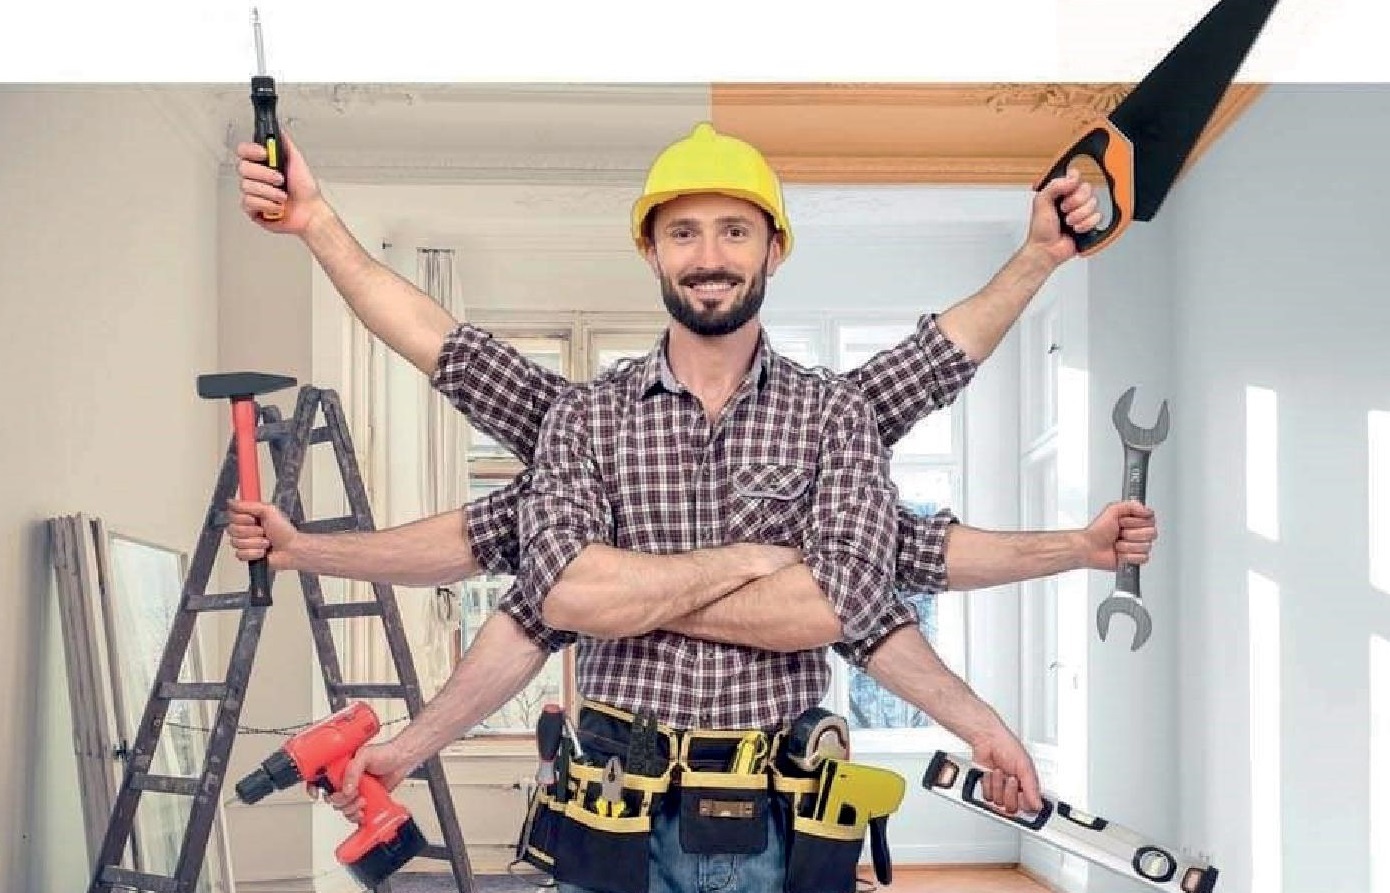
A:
[409,321]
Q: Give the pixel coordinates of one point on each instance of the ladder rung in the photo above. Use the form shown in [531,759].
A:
[135,880]
[421,772]
[348,609]
[330,525]
[193,691]
[165,784]
[273,430]
[367,690]
[435,851]
[224,601]
[320,434]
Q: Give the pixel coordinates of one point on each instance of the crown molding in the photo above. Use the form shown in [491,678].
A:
[965,134]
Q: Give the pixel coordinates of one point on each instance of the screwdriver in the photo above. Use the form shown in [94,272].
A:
[263,100]
[550,728]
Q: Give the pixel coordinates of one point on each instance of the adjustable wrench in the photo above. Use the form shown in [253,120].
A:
[1138,443]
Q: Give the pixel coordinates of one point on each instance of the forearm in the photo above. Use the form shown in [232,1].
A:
[500,663]
[906,664]
[428,552]
[786,611]
[409,321]
[616,593]
[979,559]
[978,323]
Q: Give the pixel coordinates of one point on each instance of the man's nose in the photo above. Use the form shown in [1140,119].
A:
[710,254]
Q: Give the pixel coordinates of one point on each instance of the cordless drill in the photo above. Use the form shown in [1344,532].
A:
[387,836]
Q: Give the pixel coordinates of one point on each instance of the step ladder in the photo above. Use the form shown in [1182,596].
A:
[288,441]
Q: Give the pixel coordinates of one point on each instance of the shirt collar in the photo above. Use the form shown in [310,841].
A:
[656,370]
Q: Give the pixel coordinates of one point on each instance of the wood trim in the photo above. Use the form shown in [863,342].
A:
[959,134]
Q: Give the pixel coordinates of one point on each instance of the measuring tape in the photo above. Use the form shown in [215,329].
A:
[1091,837]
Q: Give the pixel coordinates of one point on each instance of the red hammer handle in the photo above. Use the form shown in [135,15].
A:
[249,478]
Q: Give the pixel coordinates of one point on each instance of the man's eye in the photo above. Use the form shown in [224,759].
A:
[738,232]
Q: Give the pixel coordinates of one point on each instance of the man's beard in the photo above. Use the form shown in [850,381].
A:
[713,323]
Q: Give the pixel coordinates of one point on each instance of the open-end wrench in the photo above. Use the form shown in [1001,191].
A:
[1138,443]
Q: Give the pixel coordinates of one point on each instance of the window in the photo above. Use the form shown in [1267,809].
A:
[929,470]
[577,346]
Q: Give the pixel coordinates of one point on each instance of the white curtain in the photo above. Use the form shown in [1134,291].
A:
[443,470]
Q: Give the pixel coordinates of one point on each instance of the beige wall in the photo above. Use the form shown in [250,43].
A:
[108,305]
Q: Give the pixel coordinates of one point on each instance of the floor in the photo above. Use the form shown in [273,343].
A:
[905,880]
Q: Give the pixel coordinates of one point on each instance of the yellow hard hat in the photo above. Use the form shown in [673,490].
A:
[709,161]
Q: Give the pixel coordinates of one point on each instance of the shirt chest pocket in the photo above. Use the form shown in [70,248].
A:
[769,503]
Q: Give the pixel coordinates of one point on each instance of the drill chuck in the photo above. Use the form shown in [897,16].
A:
[276,773]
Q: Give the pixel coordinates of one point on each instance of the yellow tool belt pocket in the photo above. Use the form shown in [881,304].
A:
[604,845]
[822,857]
[723,812]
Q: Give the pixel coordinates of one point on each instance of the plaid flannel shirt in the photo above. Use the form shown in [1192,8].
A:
[633,461]
[506,396]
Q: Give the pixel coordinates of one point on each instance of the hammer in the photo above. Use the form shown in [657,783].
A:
[242,388]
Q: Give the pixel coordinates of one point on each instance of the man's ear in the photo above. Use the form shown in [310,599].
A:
[649,255]
[774,254]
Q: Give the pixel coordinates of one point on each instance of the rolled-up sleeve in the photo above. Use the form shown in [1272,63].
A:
[850,545]
[922,551]
[919,375]
[491,524]
[502,393]
[562,509]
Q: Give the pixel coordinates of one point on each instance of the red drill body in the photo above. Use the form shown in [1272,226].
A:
[386,837]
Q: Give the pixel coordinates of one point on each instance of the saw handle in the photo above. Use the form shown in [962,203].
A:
[1114,153]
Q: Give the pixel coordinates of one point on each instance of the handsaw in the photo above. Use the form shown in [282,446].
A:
[1142,145]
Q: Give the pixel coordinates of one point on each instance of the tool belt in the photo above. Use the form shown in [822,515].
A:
[592,827]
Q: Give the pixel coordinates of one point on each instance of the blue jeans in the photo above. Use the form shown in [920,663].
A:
[673,870]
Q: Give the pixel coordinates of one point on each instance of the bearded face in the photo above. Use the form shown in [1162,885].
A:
[712,255]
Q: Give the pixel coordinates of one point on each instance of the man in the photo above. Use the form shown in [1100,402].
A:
[506,396]
[416,330]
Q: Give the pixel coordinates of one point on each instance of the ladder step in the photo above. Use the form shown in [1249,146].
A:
[193,691]
[435,851]
[348,609]
[367,690]
[135,880]
[224,601]
[330,525]
[285,428]
[165,784]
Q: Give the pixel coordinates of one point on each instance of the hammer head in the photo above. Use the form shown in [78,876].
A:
[1131,434]
[226,385]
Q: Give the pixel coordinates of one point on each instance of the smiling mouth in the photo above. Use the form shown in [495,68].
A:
[711,288]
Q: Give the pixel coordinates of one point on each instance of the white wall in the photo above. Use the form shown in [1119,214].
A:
[108,304]
[1133,729]
[1280,238]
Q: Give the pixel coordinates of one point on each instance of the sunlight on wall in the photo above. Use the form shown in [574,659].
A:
[1265,832]
[1262,462]
[1378,494]
[1380,772]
